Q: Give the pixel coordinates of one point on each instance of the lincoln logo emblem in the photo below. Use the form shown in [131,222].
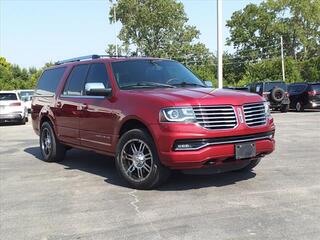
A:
[240,115]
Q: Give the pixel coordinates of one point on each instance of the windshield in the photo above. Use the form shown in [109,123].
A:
[153,73]
[271,85]
[8,96]
[26,95]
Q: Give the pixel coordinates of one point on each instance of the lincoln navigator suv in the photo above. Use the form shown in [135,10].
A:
[152,115]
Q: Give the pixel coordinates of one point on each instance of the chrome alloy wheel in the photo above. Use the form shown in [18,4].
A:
[46,142]
[298,106]
[136,159]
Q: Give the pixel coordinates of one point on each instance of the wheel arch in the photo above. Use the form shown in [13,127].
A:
[133,123]
[47,118]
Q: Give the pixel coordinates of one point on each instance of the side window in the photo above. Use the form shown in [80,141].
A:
[75,82]
[98,73]
[49,81]
[302,88]
[291,89]
[259,89]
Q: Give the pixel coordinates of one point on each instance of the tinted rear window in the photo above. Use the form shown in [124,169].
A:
[297,88]
[269,86]
[49,80]
[8,96]
[315,87]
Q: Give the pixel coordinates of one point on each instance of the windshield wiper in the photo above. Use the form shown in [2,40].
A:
[184,84]
[147,85]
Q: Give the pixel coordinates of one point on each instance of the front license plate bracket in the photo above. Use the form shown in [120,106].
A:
[245,150]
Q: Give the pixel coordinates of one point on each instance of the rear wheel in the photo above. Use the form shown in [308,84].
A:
[299,107]
[250,166]
[23,121]
[51,149]
[137,160]
[284,108]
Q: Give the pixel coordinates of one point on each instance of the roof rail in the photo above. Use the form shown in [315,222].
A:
[88,57]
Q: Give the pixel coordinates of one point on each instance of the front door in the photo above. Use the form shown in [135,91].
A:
[98,118]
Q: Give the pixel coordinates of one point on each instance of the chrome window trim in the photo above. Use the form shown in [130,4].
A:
[82,96]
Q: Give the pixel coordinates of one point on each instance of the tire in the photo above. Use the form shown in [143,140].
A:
[51,149]
[137,160]
[23,121]
[250,166]
[284,108]
[277,95]
[299,107]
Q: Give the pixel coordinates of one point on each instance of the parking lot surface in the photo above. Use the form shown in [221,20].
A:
[84,198]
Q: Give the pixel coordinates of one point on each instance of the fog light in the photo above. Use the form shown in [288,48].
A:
[182,146]
[188,146]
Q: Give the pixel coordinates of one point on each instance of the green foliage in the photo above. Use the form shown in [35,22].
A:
[159,28]
[13,77]
[255,32]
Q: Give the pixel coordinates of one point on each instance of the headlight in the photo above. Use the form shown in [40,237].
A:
[267,109]
[177,114]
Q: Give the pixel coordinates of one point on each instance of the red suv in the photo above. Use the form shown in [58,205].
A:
[152,115]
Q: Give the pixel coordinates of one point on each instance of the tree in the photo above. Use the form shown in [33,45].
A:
[14,77]
[158,28]
[255,31]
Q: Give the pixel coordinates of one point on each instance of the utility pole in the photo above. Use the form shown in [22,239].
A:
[282,60]
[115,26]
[219,43]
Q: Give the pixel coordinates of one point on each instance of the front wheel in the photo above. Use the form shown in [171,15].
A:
[51,149]
[137,160]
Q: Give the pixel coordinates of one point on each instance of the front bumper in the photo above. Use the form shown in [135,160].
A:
[313,104]
[215,149]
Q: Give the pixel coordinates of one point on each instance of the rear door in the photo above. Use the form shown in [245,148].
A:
[98,117]
[69,105]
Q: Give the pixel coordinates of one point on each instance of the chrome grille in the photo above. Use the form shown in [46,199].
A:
[254,114]
[216,117]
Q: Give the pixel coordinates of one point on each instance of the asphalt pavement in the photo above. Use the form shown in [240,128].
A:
[84,198]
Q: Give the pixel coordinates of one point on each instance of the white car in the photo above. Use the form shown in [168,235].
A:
[12,109]
[26,96]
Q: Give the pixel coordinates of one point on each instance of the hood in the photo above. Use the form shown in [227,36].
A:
[201,96]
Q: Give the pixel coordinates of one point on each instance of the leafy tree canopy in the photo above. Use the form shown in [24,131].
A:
[255,31]
[158,28]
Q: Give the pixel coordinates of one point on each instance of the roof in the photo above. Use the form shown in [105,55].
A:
[9,91]
[101,58]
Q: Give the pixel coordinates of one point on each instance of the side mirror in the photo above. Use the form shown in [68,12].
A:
[97,89]
[208,83]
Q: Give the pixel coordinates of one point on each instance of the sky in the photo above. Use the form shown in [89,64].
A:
[33,32]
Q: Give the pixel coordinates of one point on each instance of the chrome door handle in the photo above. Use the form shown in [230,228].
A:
[59,104]
[84,106]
